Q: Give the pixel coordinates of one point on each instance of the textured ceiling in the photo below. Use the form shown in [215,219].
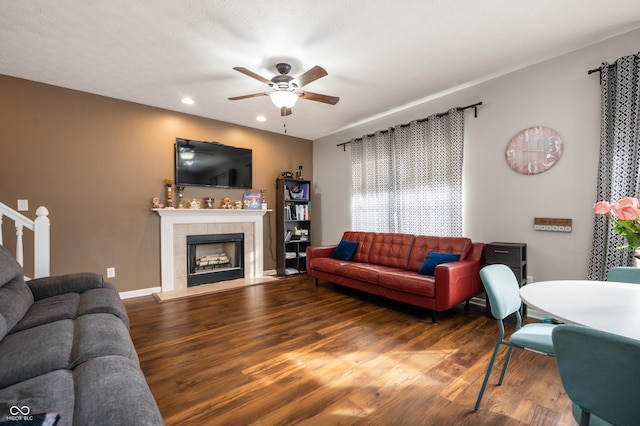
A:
[380,55]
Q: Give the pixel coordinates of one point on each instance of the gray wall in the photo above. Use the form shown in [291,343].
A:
[500,204]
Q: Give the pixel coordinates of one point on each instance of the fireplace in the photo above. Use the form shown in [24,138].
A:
[176,224]
[215,257]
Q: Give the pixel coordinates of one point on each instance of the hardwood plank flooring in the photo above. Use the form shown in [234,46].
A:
[288,352]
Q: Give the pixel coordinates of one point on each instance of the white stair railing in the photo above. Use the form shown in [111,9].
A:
[41,240]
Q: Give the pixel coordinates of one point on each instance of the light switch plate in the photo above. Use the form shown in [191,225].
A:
[23,205]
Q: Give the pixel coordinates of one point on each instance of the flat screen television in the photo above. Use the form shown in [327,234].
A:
[212,164]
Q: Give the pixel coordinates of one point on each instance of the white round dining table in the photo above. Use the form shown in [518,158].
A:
[604,305]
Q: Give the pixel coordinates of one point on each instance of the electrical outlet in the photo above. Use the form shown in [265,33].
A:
[111,272]
[23,205]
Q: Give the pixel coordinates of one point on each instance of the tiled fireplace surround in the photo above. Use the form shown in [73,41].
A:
[176,224]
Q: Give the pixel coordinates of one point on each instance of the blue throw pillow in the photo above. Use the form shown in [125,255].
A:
[345,250]
[435,258]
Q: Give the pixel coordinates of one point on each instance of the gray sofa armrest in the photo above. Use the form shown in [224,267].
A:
[69,283]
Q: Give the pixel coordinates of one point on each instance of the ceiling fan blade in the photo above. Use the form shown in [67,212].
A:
[285,111]
[253,75]
[255,95]
[312,75]
[320,98]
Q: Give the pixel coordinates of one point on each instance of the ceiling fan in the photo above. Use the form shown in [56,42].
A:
[286,89]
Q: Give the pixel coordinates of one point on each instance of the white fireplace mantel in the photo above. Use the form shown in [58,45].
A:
[169,218]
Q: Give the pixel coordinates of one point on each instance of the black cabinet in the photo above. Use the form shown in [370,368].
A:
[293,228]
[514,255]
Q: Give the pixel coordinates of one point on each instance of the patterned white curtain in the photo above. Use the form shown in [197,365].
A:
[429,175]
[618,172]
[422,192]
[372,182]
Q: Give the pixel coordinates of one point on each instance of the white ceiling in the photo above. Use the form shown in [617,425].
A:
[381,56]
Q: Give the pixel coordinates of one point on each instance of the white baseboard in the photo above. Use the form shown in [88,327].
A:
[138,293]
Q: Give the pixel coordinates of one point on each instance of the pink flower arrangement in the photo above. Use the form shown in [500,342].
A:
[627,212]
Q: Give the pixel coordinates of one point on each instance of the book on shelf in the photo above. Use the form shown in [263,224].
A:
[296,234]
[291,255]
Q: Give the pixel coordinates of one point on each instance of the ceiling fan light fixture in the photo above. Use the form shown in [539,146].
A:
[283,98]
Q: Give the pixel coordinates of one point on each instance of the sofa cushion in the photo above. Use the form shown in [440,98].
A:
[112,390]
[409,282]
[3,327]
[423,245]
[391,249]
[35,351]
[9,267]
[15,296]
[434,259]
[364,240]
[345,250]
[103,300]
[99,335]
[365,271]
[43,311]
[327,264]
[15,301]
[49,393]
[70,283]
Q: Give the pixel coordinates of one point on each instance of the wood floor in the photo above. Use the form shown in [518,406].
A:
[289,352]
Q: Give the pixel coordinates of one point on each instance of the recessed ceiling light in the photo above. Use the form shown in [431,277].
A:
[187,101]
[261,118]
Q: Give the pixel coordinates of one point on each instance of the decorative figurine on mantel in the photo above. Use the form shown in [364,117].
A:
[156,203]
[209,202]
[180,190]
[263,197]
[169,184]
[226,203]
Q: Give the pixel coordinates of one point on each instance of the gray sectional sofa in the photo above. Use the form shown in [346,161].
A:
[66,353]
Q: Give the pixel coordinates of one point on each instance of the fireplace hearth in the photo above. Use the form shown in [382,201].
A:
[215,257]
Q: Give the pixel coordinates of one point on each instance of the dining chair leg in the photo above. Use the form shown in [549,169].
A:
[506,364]
[584,418]
[486,376]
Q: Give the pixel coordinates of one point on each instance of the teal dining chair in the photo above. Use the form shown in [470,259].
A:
[503,292]
[600,373]
[624,274]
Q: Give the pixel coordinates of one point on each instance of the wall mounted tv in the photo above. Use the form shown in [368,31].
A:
[212,164]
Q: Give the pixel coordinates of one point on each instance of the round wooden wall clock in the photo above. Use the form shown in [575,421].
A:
[534,150]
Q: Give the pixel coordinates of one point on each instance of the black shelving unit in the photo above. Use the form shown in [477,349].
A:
[293,228]
[514,255]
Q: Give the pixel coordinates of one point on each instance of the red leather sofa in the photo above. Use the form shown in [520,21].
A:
[387,264]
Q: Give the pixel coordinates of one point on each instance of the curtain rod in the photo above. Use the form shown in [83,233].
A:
[604,65]
[475,115]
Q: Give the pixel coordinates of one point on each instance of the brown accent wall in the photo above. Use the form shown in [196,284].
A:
[96,163]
